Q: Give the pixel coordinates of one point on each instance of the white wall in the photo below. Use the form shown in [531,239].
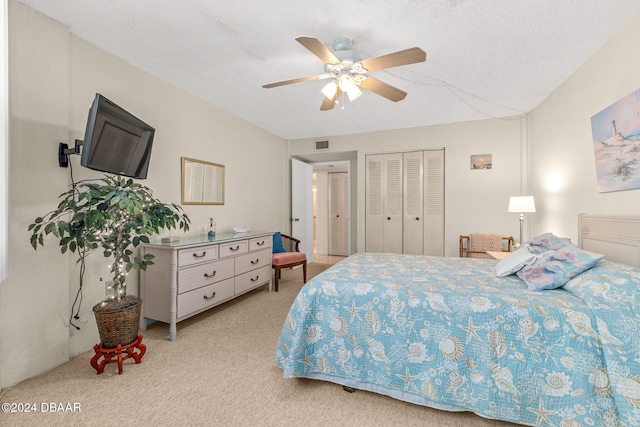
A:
[53,79]
[563,176]
[475,200]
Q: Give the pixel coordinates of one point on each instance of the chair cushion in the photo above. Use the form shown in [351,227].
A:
[277,243]
[284,258]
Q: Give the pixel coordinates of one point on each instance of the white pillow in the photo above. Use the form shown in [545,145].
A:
[515,261]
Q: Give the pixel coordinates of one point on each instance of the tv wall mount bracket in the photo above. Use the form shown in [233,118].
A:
[64,151]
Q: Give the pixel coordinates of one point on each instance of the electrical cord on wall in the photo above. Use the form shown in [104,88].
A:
[82,251]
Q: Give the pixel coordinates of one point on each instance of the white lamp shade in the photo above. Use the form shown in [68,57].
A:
[330,89]
[521,204]
[354,92]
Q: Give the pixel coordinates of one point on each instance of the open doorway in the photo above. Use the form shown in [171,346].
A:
[331,211]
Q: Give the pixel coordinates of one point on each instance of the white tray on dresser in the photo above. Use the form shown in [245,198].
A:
[195,274]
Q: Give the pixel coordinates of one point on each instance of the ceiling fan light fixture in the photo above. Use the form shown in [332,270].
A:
[330,89]
[347,84]
[348,72]
[345,81]
[353,92]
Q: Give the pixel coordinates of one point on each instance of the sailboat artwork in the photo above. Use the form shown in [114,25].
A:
[616,144]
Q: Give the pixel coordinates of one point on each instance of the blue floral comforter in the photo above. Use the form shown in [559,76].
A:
[448,333]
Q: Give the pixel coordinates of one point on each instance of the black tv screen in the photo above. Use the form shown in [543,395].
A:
[116,141]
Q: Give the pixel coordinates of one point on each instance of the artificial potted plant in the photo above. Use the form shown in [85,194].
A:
[114,214]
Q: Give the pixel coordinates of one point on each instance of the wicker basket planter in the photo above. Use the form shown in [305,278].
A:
[118,320]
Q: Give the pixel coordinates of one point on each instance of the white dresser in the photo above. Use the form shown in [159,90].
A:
[195,273]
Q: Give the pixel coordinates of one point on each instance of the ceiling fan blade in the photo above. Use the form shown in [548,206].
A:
[288,82]
[328,104]
[383,89]
[316,47]
[403,57]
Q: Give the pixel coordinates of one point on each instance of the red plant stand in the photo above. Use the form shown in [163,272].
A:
[114,355]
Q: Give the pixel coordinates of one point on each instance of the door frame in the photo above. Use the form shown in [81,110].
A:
[322,158]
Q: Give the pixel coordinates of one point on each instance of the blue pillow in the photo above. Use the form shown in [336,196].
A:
[547,242]
[555,268]
[277,243]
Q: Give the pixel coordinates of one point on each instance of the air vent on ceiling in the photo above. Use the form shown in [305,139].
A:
[322,145]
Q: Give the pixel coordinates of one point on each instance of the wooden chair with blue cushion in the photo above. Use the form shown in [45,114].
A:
[286,254]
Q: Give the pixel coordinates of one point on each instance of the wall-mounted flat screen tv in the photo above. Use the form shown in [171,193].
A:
[116,141]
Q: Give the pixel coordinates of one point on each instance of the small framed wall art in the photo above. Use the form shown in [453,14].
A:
[481,161]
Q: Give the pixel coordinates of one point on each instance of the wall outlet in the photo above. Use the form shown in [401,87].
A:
[108,288]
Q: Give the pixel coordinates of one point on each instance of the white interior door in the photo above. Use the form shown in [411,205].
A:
[392,213]
[413,221]
[302,206]
[434,203]
[322,212]
[339,214]
[374,225]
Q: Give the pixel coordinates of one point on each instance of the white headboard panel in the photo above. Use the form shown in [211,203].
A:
[617,237]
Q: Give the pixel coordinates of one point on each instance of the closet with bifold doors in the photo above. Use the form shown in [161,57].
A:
[404,202]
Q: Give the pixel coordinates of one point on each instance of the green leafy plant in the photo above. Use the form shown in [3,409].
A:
[114,214]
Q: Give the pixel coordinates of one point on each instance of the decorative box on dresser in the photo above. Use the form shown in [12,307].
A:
[195,274]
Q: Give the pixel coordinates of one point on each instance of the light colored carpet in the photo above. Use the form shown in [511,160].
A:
[220,371]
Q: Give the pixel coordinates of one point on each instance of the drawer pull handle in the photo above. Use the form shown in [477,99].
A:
[256,261]
[210,275]
[260,243]
[234,249]
[212,295]
[195,255]
[257,277]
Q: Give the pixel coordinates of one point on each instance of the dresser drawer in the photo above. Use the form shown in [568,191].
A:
[197,255]
[234,248]
[203,274]
[253,279]
[253,260]
[258,243]
[205,297]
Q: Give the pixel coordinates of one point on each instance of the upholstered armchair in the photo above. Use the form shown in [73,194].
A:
[286,254]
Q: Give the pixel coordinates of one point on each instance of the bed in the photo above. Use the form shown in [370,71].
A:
[449,334]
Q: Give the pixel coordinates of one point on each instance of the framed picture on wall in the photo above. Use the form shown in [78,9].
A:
[481,161]
[616,144]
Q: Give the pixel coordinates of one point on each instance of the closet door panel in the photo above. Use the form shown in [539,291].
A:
[412,223]
[392,203]
[374,207]
[434,203]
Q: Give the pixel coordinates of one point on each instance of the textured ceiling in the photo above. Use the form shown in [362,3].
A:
[485,58]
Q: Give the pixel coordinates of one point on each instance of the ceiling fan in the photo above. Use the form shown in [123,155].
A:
[348,73]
